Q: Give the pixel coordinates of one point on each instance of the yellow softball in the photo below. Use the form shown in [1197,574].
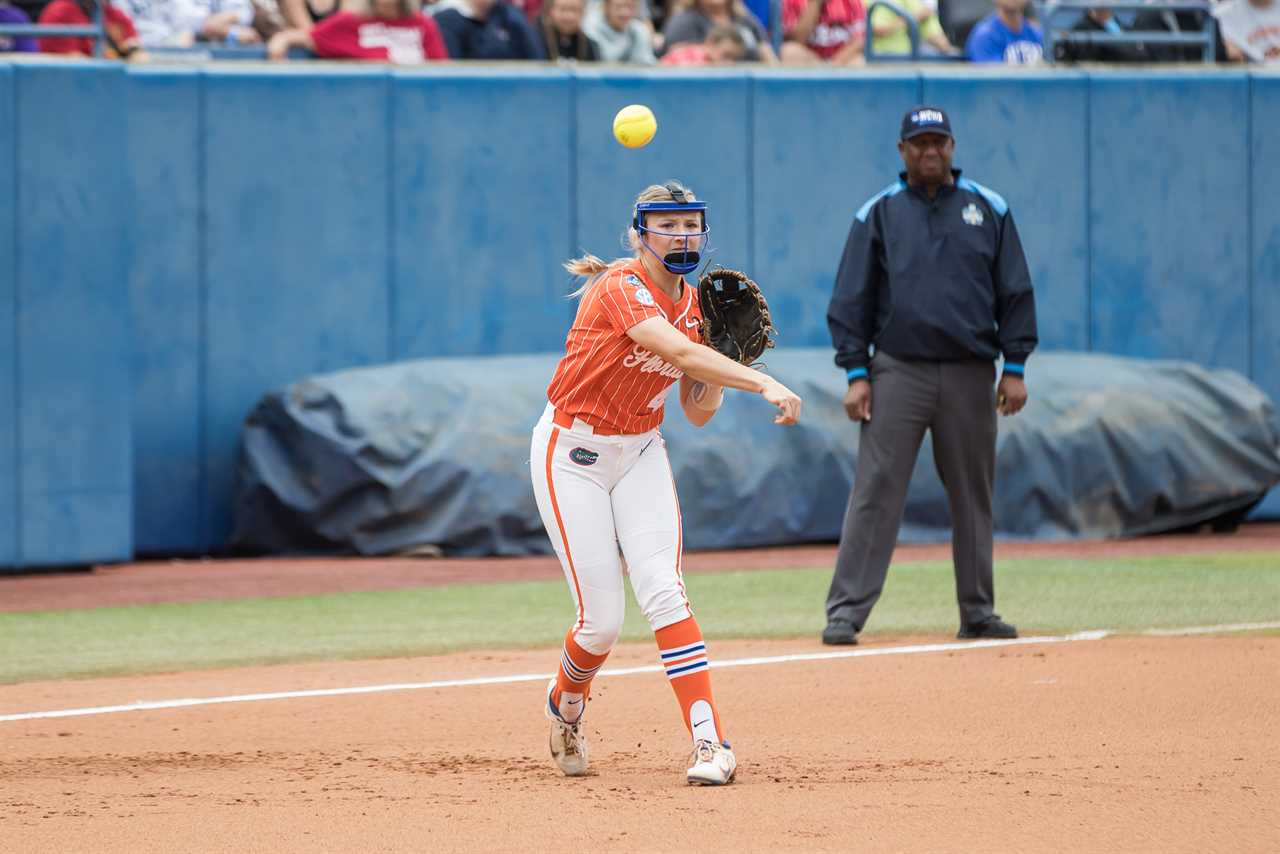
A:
[634,125]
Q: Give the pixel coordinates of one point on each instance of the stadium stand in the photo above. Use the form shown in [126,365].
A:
[1066,39]
[918,52]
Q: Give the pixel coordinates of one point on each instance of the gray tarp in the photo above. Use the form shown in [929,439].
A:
[380,460]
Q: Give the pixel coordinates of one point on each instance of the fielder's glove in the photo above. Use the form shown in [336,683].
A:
[735,316]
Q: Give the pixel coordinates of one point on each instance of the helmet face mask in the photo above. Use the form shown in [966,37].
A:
[680,261]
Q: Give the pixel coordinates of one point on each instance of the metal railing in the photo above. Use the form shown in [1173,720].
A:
[1059,16]
[913,35]
[95,30]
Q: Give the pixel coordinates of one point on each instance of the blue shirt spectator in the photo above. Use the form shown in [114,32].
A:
[15,44]
[1005,36]
[487,30]
[759,8]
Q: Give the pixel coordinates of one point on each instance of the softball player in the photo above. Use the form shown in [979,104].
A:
[602,478]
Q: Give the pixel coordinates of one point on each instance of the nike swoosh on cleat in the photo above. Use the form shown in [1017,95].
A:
[700,723]
[572,702]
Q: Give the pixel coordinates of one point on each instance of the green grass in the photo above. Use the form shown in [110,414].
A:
[1038,595]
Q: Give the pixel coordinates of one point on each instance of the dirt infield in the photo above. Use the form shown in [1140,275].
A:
[1120,744]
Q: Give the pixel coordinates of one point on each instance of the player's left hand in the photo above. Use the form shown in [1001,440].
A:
[787,401]
[1011,395]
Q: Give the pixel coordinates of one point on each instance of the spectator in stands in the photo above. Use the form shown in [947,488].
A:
[120,34]
[823,31]
[1250,29]
[303,14]
[391,31]
[618,35]
[1006,36]
[759,10]
[1099,20]
[693,20]
[267,18]
[15,44]
[560,26]
[487,30]
[724,45]
[532,9]
[1180,21]
[180,23]
[889,34]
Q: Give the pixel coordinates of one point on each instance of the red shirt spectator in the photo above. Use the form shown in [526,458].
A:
[122,38]
[839,22]
[407,40]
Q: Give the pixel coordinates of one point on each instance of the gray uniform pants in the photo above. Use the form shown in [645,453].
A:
[956,402]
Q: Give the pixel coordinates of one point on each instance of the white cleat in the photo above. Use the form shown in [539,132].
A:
[712,764]
[568,741]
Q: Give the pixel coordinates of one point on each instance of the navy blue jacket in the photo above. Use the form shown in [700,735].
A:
[941,279]
[504,34]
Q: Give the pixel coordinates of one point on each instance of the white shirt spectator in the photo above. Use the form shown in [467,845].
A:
[633,43]
[177,23]
[1253,26]
[643,13]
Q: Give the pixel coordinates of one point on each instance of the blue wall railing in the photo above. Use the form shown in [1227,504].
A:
[230,230]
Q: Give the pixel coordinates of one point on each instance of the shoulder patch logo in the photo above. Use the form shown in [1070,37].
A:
[643,296]
[583,457]
[971,214]
[633,281]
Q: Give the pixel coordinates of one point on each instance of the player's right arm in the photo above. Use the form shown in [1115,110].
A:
[704,364]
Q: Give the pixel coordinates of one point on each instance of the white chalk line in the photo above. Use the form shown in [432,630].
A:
[914,649]
[1211,630]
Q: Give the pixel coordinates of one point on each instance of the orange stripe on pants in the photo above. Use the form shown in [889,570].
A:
[564,535]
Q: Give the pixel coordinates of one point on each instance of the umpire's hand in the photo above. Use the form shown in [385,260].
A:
[857,400]
[1011,395]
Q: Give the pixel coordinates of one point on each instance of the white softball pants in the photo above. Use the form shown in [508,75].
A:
[599,493]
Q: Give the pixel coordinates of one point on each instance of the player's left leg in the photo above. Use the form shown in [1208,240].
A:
[646,513]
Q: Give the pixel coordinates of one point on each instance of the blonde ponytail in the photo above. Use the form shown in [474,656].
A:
[589,267]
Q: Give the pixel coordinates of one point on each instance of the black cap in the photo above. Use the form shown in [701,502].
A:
[920,120]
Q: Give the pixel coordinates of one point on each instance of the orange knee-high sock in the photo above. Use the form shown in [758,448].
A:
[684,656]
[573,680]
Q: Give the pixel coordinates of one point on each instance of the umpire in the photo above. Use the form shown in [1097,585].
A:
[932,287]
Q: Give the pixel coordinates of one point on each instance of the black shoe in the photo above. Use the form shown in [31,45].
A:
[839,633]
[993,629]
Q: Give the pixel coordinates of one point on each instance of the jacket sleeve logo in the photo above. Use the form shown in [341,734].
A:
[971,214]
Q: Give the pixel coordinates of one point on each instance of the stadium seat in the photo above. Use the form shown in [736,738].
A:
[1057,18]
[958,17]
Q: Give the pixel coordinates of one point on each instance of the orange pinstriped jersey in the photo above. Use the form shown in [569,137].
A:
[605,378]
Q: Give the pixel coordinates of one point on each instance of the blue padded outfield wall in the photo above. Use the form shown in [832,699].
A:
[184,239]
[66,479]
